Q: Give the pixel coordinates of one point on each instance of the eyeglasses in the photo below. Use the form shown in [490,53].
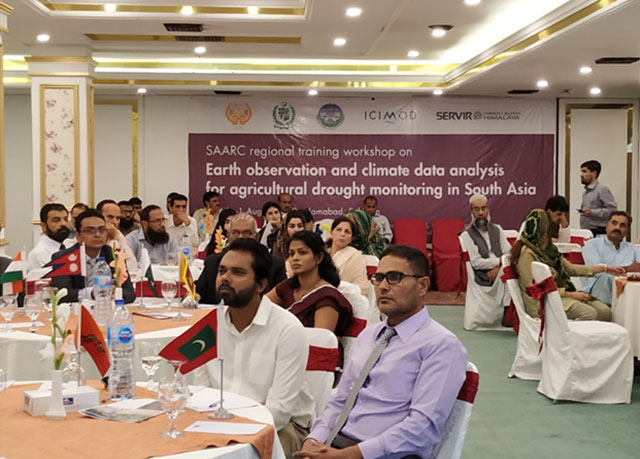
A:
[158,220]
[91,230]
[246,234]
[393,277]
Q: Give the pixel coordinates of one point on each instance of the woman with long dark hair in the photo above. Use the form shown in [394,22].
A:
[218,240]
[312,293]
[272,219]
[294,222]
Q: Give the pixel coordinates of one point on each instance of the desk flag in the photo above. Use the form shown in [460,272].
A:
[92,340]
[72,263]
[197,345]
[185,276]
[12,277]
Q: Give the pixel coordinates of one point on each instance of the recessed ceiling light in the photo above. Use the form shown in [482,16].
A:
[200,50]
[440,30]
[437,92]
[542,83]
[142,90]
[413,53]
[43,38]
[110,7]
[253,9]
[186,10]
[472,2]
[595,91]
[339,41]
[585,70]
[354,12]
[393,68]
[313,92]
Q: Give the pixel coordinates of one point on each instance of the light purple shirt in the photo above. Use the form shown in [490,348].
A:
[410,392]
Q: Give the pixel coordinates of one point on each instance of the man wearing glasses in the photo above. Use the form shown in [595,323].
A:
[153,236]
[402,380]
[91,230]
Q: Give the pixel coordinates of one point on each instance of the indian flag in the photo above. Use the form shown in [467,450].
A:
[11,279]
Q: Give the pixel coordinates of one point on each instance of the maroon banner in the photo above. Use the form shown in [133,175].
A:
[413,176]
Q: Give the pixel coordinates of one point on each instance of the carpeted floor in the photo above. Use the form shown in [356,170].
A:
[510,419]
[445,298]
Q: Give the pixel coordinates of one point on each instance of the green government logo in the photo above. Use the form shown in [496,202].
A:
[283,115]
[330,115]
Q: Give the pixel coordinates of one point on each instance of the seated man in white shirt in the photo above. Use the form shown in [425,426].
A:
[264,346]
[486,243]
[152,235]
[54,221]
[180,223]
[110,210]
[371,207]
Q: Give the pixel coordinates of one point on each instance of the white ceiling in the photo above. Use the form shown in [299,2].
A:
[379,39]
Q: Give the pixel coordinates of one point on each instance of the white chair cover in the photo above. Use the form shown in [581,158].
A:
[511,234]
[583,361]
[583,233]
[320,382]
[455,429]
[566,247]
[528,362]
[374,312]
[360,306]
[483,307]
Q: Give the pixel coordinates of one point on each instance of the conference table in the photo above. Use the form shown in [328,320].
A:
[625,307]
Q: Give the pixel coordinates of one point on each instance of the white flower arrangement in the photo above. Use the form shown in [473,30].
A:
[59,316]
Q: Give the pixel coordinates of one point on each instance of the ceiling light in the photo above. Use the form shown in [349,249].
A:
[413,53]
[440,30]
[542,83]
[200,50]
[354,12]
[313,92]
[253,9]
[43,38]
[186,10]
[393,68]
[437,92]
[585,70]
[595,91]
[110,7]
[339,41]
[472,2]
[142,90]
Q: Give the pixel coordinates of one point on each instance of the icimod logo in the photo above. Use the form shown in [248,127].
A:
[283,115]
[330,115]
[238,113]
[390,116]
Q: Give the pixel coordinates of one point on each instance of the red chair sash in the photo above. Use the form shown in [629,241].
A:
[322,359]
[537,292]
[357,325]
[508,273]
[469,388]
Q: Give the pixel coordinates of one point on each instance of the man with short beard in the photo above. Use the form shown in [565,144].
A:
[264,347]
[152,236]
[54,221]
[127,222]
[486,243]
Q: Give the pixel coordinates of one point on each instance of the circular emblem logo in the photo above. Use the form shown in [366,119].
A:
[477,116]
[238,113]
[330,115]
[125,335]
[283,115]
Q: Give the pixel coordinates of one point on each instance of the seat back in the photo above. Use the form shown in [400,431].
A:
[511,235]
[556,324]
[411,232]
[360,306]
[446,253]
[321,365]
[374,312]
[566,247]
[455,429]
[579,236]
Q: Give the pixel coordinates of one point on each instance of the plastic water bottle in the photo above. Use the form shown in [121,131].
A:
[102,285]
[185,246]
[121,343]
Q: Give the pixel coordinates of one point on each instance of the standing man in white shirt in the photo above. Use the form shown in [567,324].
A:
[180,223]
[371,207]
[264,346]
[54,222]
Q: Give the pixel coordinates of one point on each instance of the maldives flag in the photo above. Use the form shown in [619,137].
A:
[93,342]
[70,263]
[197,345]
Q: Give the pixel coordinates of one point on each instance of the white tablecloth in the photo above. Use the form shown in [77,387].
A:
[626,312]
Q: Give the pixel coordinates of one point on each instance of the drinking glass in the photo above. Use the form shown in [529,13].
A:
[3,380]
[150,360]
[8,308]
[173,394]
[172,259]
[169,290]
[46,297]
[33,307]
[40,285]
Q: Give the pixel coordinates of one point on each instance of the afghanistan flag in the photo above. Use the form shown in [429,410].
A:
[93,342]
[72,263]
[12,277]
[197,345]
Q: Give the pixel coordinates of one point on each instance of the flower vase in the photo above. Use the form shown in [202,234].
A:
[56,409]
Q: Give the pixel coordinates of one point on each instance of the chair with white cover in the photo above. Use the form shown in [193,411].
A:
[482,311]
[321,365]
[455,429]
[374,313]
[582,361]
[511,235]
[579,236]
[527,363]
[360,307]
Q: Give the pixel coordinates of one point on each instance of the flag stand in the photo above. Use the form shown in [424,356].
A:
[83,270]
[221,412]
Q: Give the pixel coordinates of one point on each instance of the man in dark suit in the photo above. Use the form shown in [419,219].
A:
[242,226]
[91,230]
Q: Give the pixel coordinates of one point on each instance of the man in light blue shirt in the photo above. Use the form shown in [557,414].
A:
[611,250]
